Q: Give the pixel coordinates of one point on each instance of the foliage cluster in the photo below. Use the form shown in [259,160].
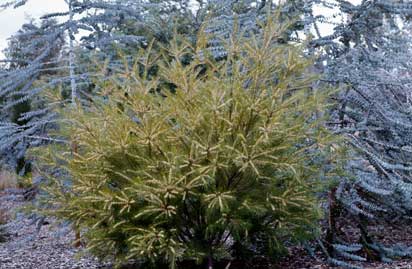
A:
[204,160]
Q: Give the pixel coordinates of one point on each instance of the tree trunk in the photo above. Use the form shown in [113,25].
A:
[366,241]
[332,215]
[71,58]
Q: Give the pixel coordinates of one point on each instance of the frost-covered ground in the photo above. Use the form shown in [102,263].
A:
[51,248]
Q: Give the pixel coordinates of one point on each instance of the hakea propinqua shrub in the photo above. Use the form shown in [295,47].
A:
[186,158]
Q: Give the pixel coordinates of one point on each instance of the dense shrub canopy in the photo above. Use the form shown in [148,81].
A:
[203,161]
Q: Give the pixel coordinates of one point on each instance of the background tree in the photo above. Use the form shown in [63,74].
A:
[368,58]
[20,53]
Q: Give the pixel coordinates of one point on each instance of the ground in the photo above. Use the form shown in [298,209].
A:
[52,247]
[299,259]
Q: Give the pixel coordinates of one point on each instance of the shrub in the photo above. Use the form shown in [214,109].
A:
[204,161]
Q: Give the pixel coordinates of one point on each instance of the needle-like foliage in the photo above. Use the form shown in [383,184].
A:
[202,161]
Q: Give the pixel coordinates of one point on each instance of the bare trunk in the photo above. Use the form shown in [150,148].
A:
[71,58]
[332,215]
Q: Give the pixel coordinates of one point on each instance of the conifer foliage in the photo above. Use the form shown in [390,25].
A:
[204,160]
[369,59]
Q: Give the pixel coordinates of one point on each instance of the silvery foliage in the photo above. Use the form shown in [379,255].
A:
[246,17]
[369,57]
[229,16]
[12,3]
[24,49]
[376,114]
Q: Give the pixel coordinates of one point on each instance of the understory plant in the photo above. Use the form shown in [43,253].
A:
[184,158]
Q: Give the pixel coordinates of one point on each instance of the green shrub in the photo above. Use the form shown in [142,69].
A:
[227,163]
